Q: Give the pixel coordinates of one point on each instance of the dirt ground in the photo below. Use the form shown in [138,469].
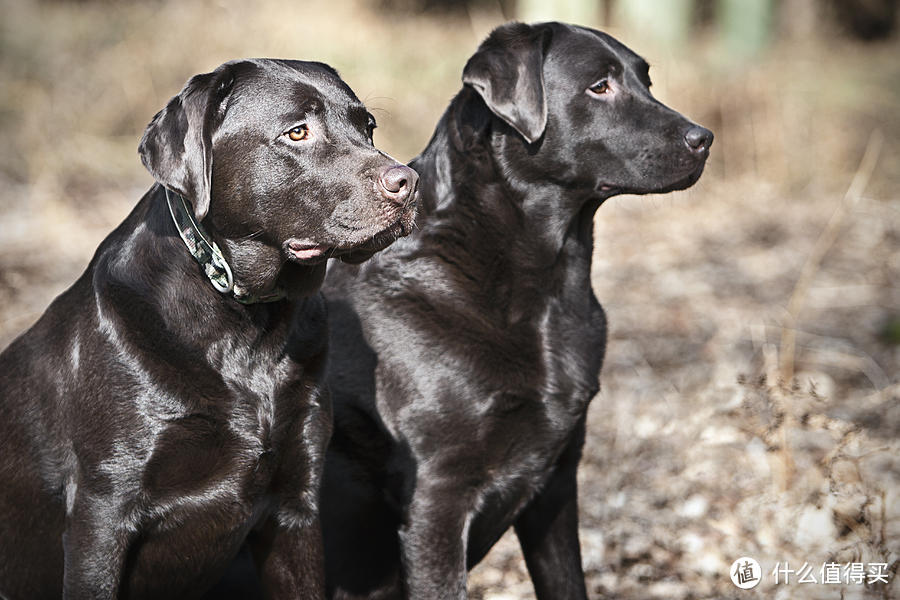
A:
[750,400]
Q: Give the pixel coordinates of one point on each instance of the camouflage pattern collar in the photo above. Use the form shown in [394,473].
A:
[209,256]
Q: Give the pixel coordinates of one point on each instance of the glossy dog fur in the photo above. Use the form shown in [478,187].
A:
[463,358]
[151,424]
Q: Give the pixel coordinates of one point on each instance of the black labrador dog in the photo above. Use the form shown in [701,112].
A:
[464,357]
[171,403]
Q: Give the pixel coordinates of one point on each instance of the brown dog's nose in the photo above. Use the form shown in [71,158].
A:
[398,183]
[698,138]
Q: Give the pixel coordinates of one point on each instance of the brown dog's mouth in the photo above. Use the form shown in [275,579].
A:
[309,252]
[306,251]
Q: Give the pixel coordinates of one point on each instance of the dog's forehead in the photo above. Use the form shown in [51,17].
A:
[585,49]
[292,85]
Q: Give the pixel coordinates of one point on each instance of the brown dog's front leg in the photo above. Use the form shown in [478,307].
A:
[287,548]
[95,545]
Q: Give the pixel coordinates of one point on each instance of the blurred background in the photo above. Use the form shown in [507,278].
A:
[751,394]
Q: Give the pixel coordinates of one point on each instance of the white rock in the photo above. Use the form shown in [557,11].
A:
[692,543]
[721,434]
[711,563]
[645,427]
[756,452]
[822,383]
[693,507]
[671,590]
[815,528]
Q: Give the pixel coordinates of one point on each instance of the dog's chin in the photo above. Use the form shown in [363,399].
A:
[605,190]
[358,253]
[356,248]
[685,182]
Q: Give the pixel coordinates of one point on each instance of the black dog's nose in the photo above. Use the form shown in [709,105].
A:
[698,138]
[398,183]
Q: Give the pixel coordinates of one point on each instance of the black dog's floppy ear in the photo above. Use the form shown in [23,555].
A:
[177,145]
[507,71]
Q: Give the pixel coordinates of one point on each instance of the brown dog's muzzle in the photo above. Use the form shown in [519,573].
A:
[398,184]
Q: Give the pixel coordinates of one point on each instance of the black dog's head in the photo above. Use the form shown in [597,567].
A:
[276,158]
[582,113]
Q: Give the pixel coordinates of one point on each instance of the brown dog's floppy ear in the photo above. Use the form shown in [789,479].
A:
[507,71]
[177,145]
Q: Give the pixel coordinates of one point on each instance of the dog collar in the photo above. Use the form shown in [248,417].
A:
[209,256]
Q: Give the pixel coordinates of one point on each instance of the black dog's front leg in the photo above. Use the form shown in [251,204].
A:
[289,557]
[95,543]
[434,545]
[548,532]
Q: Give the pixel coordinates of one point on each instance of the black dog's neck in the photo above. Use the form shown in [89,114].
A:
[464,182]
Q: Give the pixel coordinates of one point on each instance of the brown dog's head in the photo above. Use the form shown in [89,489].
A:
[277,161]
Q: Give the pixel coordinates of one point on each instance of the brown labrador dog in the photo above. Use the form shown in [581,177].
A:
[170,405]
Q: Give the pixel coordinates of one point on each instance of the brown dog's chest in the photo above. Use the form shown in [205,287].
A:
[240,438]
[208,484]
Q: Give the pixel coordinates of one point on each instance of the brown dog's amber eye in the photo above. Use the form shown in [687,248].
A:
[298,134]
[601,87]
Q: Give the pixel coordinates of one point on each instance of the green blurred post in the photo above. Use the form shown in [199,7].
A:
[745,25]
[582,12]
[667,21]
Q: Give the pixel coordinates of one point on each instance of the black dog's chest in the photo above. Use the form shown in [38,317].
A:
[512,399]
[554,365]
[524,430]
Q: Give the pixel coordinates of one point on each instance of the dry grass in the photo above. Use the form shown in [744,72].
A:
[733,421]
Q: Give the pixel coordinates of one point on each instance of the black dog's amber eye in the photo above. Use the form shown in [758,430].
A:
[299,133]
[601,87]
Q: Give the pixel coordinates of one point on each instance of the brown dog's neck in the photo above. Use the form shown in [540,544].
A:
[145,258]
[257,270]
[260,268]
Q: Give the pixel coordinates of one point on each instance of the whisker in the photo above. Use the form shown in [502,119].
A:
[251,235]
